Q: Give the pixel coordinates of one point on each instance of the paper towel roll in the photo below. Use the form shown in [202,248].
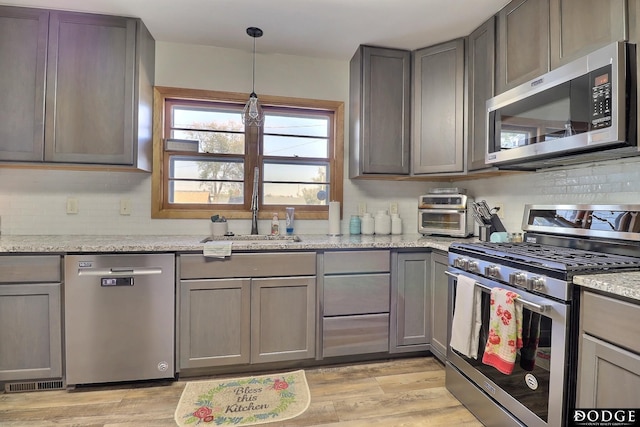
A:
[334,218]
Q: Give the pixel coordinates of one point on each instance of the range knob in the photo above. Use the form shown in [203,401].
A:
[461,263]
[518,278]
[537,284]
[474,267]
[492,271]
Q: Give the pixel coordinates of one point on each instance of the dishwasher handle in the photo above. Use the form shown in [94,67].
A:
[124,271]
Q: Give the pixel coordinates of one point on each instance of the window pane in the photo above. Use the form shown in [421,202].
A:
[213,142]
[192,192]
[289,146]
[214,181]
[295,194]
[299,124]
[192,117]
[304,173]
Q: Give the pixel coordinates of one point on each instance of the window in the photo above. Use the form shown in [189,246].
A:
[206,161]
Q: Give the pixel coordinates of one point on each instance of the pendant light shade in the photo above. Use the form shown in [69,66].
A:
[252,115]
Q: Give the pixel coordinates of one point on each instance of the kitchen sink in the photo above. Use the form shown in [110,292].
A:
[257,238]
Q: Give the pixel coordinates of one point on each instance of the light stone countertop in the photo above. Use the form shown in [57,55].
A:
[180,243]
[626,284]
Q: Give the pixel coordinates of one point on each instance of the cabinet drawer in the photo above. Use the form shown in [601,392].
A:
[27,268]
[355,335]
[357,294]
[612,320]
[336,262]
[265,264]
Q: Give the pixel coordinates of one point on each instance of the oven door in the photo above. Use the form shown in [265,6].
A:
[446,222]
[534,392]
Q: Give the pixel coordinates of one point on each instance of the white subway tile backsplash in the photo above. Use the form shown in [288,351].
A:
[34,201]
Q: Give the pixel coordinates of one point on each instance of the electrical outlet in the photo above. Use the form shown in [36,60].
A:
[500,212]
[72,205]
[362,208]
[125,207]
[393,208]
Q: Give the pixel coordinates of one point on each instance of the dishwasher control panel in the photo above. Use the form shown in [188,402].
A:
[116,281]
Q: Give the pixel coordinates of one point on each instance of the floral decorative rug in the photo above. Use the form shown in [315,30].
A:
[243,401]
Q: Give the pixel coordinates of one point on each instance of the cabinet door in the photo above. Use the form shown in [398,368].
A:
[579,27]
[609,376]
[523,43]
[481,76]
[214,322]
[438,97]
[441,306]
[30,331]
[90,89]
[410,319]
[379,115]
[23,55]
[283,318]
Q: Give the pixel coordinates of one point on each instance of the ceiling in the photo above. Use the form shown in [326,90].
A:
[315,28]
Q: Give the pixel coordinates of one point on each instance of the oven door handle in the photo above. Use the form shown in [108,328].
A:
[538,308]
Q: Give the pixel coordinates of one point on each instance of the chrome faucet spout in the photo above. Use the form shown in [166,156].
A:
[254,202]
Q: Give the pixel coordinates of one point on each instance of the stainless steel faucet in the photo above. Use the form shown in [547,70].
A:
[254,202]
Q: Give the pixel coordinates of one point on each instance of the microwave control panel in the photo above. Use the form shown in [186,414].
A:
[601,98]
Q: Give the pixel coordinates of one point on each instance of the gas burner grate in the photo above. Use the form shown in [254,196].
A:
[547,256]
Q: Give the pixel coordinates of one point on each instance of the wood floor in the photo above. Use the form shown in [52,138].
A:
[406,392]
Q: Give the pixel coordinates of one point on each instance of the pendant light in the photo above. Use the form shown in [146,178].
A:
[252,115]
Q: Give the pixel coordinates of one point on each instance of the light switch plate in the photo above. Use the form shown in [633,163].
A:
[393,208]
[72,206]
[125,207]
[362,208]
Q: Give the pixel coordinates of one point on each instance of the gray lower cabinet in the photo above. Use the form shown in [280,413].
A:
[480,54]
[579,27]
[410,302]
[440,306]
[30,318]
[215,322]
[283,318]
[249,308]
[355,302]
[438,109]
[379,112]
[522,46]
[77,88]
[609,369]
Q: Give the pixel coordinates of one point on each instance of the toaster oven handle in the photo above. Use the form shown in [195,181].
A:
[538,308]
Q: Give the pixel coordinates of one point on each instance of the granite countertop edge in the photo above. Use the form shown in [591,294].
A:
[60,244]
[623,284]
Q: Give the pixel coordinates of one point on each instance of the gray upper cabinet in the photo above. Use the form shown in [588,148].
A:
[582,26]
[23,58]
[438,109]
[523,43]
[92,99]
[379,115]
[480,55]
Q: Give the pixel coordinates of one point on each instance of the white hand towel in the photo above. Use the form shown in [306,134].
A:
[465,328]
[217,249]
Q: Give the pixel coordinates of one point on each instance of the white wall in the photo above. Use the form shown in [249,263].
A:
[34,201]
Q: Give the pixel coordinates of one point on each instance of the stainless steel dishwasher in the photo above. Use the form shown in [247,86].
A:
[119,315]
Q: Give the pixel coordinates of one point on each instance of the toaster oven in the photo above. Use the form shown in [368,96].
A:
[445,214]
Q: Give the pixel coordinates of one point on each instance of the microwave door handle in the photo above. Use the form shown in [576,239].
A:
[538,308]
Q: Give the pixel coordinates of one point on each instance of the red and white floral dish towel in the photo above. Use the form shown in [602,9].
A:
[505,331]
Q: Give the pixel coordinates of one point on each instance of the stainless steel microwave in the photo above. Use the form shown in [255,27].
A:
[580,112]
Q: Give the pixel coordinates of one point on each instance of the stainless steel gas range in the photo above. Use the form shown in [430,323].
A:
[560,242]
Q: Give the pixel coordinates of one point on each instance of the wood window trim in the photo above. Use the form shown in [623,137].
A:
[160,93]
